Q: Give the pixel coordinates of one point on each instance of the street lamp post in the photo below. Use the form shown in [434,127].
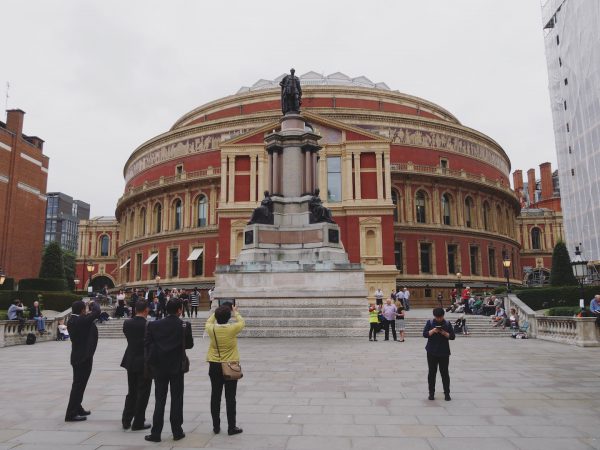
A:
[580,270]
[506,263]
[89,265]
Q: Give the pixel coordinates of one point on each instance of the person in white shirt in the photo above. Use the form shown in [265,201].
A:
[63,332]
[406,299]
[379,296]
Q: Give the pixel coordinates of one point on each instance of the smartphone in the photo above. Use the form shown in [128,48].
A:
[438,326]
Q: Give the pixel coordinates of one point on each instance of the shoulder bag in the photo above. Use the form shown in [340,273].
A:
[185,361]
[232,370]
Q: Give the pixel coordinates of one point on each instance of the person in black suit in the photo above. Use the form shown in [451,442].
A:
[438,332]
[84,339]
[138,380]
[164,352]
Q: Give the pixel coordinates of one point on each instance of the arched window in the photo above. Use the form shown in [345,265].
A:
[157,213]
[104,245]
[370,242]
[421,212]
[469,212]
[499,219]
[396,205]
[446,220]
[486,216]
[202,210]
[142,222]
[177,215]
[536,238]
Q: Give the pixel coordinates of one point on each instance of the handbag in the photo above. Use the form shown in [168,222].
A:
[232,370]
[185,361]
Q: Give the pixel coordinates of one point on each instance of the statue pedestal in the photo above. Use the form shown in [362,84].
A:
[294,278]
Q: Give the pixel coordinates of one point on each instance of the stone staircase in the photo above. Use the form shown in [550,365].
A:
[347,318]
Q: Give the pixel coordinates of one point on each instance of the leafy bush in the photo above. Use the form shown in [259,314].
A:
[499,290]
[568,311]
[8,285]
[42,284]
[57,301]
[3,315]
[542,298]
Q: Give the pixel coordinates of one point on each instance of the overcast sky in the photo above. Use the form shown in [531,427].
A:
[98,78]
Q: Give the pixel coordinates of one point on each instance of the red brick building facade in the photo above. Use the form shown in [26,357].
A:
[23,180]
[418,196]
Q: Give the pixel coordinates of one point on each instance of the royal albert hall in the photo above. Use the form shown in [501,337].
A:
[418,196]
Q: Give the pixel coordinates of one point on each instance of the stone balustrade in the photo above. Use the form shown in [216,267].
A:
[524,312]
[9,334]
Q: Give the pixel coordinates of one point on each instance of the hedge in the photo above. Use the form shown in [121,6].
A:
[568,311]
[8,285]
[542,298]
[57,301]
[42,284]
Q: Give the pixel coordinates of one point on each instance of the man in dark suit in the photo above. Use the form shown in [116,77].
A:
[84,339]
[138,380]
[164,353]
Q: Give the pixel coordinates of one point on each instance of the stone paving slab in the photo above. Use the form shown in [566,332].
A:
[325,394]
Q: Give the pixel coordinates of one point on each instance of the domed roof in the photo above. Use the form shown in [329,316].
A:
[317,79]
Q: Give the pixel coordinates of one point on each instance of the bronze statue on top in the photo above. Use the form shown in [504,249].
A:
[264,213]
[318,213]
[291,93]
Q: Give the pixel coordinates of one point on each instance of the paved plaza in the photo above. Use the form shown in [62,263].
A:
[325,394]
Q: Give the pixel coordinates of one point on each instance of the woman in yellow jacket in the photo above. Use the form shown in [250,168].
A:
[223,348]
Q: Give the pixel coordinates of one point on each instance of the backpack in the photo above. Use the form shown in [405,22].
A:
[30,339]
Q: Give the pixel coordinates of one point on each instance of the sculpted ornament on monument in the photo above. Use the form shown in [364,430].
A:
[318,213]
[264,213]
[291,93]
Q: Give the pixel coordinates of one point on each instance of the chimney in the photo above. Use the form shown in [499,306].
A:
[531,186]
[546,176]
[14,121]
[518,180]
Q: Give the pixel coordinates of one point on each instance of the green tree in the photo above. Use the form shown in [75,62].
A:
[562,273]
[69,263]
[52,262]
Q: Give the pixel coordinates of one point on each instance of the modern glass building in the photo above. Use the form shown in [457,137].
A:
[62,219]
[572,40]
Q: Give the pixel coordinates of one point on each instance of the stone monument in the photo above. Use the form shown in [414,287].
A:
[293,276]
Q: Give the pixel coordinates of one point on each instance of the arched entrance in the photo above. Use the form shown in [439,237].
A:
[100,281]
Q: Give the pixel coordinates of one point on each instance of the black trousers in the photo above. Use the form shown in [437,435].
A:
[81,375]
[161,387]
[137,398]
[373,330]
[217,383]
[194,311]
[433,362]
[388,324]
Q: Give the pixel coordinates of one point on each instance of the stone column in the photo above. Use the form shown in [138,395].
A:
[387,170]
[253,164]
[261,175]
[323,176]
[408,200]
[347,176]
[187,215]
[231,175]
[315,181]
[275,187]
[166,212]
[212,205]
[379,168]
[436,205]
[460,208]
[223,179]
[357,188]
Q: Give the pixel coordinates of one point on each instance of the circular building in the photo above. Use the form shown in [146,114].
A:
[422,200]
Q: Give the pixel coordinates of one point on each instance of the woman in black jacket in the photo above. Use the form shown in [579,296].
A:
[438,332]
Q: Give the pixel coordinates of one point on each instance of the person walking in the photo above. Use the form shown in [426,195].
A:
[406,299]
[389,313]
[400,319]
[438,332]
[195,301]
[138,380]
[84,339]
[373,322]
[164,351]
[223,348]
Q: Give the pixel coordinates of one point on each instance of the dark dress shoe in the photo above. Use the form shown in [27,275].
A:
[75,419]
[144,426]
[83,412]
[234,430]
[152,438]
[447,397]
[126,424]
[216,430]
[431,396]
[178,436]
